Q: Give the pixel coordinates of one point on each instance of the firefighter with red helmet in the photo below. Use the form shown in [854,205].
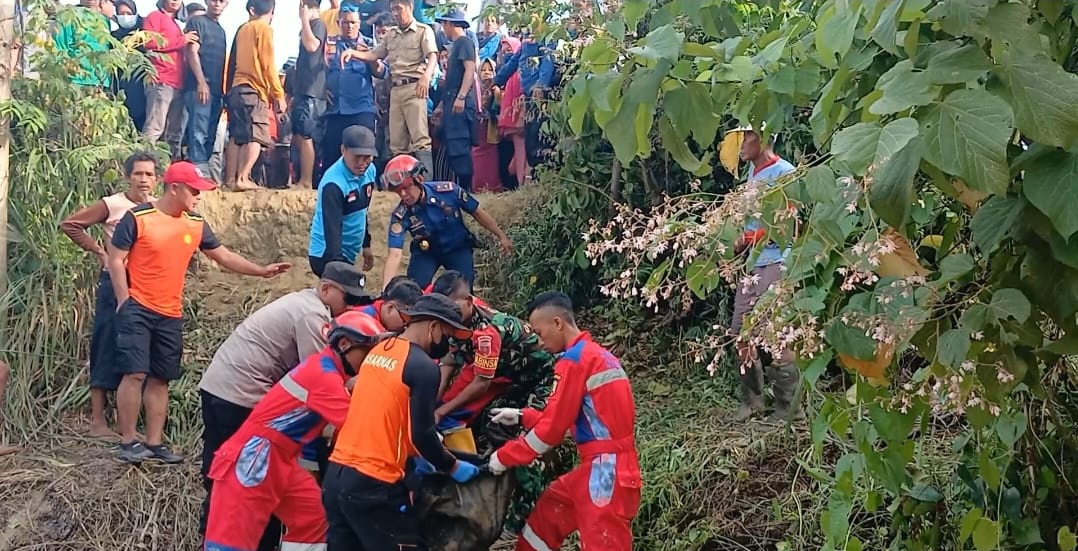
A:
[256,472]
[591,396]
[431,213]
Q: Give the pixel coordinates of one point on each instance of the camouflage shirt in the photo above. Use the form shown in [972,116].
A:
[503,346]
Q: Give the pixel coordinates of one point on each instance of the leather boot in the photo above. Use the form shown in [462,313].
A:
[784,382]
[427,158]
[752,392]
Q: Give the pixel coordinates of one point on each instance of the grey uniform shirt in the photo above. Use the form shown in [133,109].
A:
[265,347]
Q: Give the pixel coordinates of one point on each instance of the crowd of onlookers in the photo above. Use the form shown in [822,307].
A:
[467,102]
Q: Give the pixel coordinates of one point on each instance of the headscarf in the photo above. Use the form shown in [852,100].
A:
[511,115]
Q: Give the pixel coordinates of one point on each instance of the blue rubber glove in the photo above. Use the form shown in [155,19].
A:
[423,467]
[464,471]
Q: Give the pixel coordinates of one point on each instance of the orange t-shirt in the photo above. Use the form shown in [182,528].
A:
[396,380]
[159,248]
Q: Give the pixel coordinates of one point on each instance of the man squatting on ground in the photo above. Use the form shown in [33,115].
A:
[153,243]
[256,472]
[141,171]
[260,351]
[591,396]
[765,168]
[390,419]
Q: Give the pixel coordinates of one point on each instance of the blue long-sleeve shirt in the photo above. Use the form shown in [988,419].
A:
[351,88]
[535,65]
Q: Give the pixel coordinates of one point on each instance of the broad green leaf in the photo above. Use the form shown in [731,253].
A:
[1051,9]
[969,521]
[702,276]
[986,535]
[644,84]
[578,109]
[835,31]
[1026,532]
[994,221]
[695,49]
[850,341]
[989,470]
[903,88]
[661,43]
[645,117]
[821,185]
[677,147]
[958,66]
[599,52]
[885,33]
[954,266]
[1011,427]
[866,145]
[967,135]
[634,11]
[1010,303]
[739,69]
[690,110]
[1043,95]
[891,192]
[616,28]
[1067,345]
[924,492]
[1051,185]
[783,81]
[772,52]
[621,131]
[1066,539]
[1007,24]
[961,17]
[953,347]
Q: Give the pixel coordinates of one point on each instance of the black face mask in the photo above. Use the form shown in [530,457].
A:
[439,349]
[348,369]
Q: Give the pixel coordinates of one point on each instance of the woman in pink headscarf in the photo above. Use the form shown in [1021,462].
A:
[511,115]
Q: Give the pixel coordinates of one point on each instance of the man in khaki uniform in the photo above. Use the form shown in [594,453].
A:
[411,51]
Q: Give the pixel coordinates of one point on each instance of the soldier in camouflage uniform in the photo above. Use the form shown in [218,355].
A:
[502,359]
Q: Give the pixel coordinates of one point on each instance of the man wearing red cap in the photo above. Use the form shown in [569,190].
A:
[153,244]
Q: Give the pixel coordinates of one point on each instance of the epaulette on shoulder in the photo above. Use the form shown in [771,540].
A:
[443,187]
[143,209]
[400,211]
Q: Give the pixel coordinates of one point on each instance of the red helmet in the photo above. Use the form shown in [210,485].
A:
[401,171]
[360,328]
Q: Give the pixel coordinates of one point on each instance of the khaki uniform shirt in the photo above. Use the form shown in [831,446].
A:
[265,347]
[406,50]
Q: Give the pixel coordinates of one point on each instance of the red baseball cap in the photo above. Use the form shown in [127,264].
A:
[188,174]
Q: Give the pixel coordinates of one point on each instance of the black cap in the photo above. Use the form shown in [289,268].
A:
[438,307]
[455,15]
[359,140]
[195,6]
[349,278]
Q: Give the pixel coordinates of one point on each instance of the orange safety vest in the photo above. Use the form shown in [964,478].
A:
[376,438]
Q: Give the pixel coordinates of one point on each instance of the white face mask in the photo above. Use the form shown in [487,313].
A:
[127,21]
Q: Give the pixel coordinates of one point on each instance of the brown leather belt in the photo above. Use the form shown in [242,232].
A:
[403,81]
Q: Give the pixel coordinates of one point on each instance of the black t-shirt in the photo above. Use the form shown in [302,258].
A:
[463,49]
[310,77]
[211,53]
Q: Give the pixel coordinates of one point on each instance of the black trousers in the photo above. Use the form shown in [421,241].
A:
[506,150]
[220,420]
[366,514]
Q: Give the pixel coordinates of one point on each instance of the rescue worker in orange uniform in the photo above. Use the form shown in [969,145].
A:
[390,419]
[256,472]
[591,396]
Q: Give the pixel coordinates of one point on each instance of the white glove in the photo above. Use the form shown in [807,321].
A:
[495,465]
[505,416]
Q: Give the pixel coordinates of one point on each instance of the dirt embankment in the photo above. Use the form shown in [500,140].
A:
[274,226]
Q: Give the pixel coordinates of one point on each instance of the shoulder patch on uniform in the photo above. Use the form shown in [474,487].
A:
[144,208]
[484,344]
[442,187]
[396,227]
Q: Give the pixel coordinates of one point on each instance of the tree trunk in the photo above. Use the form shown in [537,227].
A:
[8,52]
[615,183]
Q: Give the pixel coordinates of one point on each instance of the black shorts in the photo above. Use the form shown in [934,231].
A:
[307,116]
[147,342]
[365,513]
[103,373]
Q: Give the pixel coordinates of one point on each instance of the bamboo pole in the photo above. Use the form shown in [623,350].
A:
[8,51]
